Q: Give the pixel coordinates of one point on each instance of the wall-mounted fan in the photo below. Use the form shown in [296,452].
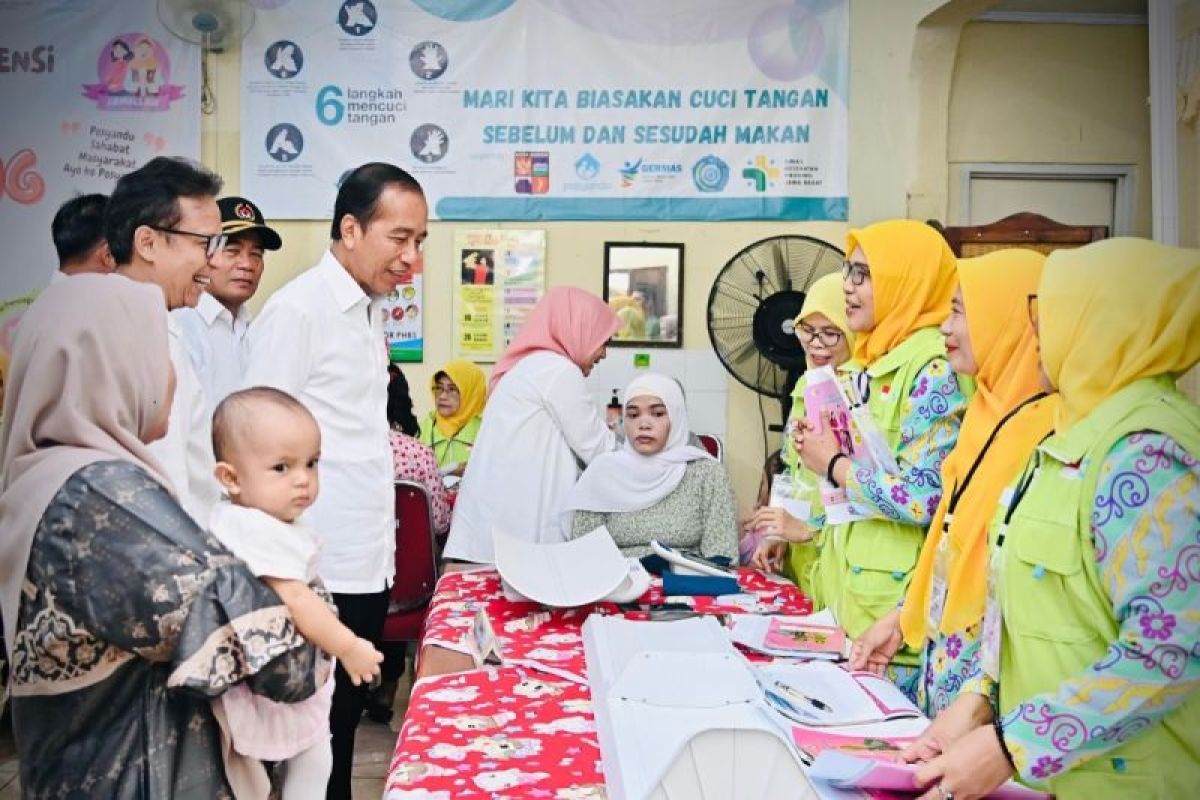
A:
[752,304]
[212,24]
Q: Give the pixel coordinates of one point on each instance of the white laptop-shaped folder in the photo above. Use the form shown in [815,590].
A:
[680,715]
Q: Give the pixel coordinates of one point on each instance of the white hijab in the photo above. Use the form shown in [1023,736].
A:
[626,480]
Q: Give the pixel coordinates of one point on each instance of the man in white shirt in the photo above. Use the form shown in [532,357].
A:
[78,233]
[320,338]
[163,227]
[215,330]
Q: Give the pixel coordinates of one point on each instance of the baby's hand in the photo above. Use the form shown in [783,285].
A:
[361,661]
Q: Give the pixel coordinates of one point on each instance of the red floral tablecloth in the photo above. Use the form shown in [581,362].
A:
[524,729]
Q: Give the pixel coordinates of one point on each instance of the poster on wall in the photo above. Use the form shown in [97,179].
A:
[499,276]
[403,311]
[91,91]
[677,109]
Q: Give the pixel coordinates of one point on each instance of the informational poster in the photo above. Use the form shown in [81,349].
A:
[576,109]
[90,91]
[499,277]
[403,311]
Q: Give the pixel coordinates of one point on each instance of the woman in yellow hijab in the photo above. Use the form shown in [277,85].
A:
[827,340]
[988,337]
[897,283]
[459,394]
[1095,578]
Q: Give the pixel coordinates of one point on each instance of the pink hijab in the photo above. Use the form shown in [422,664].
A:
[567,321]
[88,382]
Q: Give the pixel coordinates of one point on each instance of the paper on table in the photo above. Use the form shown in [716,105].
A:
[562,574]
[841,697]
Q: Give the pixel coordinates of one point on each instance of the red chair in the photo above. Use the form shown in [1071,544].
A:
[712,444]
[416,564]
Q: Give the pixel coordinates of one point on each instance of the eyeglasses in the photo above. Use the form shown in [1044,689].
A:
[442,388]
[213,243]
[826,336]
[856,272]
[1031,301]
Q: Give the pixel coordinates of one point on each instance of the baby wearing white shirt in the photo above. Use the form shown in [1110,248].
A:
[267,445]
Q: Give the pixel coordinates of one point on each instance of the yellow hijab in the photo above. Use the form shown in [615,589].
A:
[912,277]
[1113,312]
[825,296]
[472,393]
[995,289]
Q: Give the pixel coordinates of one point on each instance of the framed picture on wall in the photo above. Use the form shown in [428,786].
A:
[643,284]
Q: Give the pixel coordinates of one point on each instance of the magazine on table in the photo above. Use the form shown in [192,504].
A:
[808,637]
[831,398]
[821,694]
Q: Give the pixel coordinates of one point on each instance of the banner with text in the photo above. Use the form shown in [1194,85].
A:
[91,90]
[678,109]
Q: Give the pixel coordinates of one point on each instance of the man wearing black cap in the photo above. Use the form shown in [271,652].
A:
[215,330]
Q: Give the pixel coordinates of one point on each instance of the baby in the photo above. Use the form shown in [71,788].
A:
[267,445]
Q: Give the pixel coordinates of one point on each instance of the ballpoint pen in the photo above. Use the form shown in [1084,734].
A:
[815,703]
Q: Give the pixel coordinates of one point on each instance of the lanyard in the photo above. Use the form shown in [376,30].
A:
[1019,493]
[958,491]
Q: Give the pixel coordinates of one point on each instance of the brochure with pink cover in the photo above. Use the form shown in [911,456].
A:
[812,742]
[793,636]
[855,772]
[821,694]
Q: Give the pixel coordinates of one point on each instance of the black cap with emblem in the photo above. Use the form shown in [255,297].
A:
[239,215]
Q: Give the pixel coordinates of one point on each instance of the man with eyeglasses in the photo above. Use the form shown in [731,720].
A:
[215,330]
[163,227]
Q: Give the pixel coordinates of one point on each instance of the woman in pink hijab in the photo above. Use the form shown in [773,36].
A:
[122,618]
[540,427]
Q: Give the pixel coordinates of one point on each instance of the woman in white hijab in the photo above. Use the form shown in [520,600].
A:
[121,617]
[657,486]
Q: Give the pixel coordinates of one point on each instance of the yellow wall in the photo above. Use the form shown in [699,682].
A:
[1071,94]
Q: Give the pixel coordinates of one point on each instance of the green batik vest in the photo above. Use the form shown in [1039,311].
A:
[1058,618]
[454,449]
[864,567]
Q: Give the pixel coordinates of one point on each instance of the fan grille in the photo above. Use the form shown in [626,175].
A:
[753,301]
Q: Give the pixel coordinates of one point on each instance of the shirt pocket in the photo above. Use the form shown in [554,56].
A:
[880,557]
[1048,560]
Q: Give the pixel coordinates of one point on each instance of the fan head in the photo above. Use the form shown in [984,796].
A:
[752,305]
[212,24]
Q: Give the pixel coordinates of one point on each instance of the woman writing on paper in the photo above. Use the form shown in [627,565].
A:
[540,424]
[989,338]
[1094,572]
[657,486]
[897,282]
[459,393]
[827,340]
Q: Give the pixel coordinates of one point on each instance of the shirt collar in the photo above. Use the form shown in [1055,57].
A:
[346,292]
[210,308]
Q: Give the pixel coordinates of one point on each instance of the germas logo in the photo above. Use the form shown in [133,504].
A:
[629,173]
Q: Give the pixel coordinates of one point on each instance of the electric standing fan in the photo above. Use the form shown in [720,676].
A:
[752,305]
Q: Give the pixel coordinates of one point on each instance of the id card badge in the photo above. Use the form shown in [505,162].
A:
[989,645]
[940,583]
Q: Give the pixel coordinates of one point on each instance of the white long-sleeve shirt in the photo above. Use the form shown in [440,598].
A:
[538,426]
[216,343]
[186,451]
[320,338]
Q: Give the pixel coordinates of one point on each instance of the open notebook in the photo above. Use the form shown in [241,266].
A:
[820,694]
